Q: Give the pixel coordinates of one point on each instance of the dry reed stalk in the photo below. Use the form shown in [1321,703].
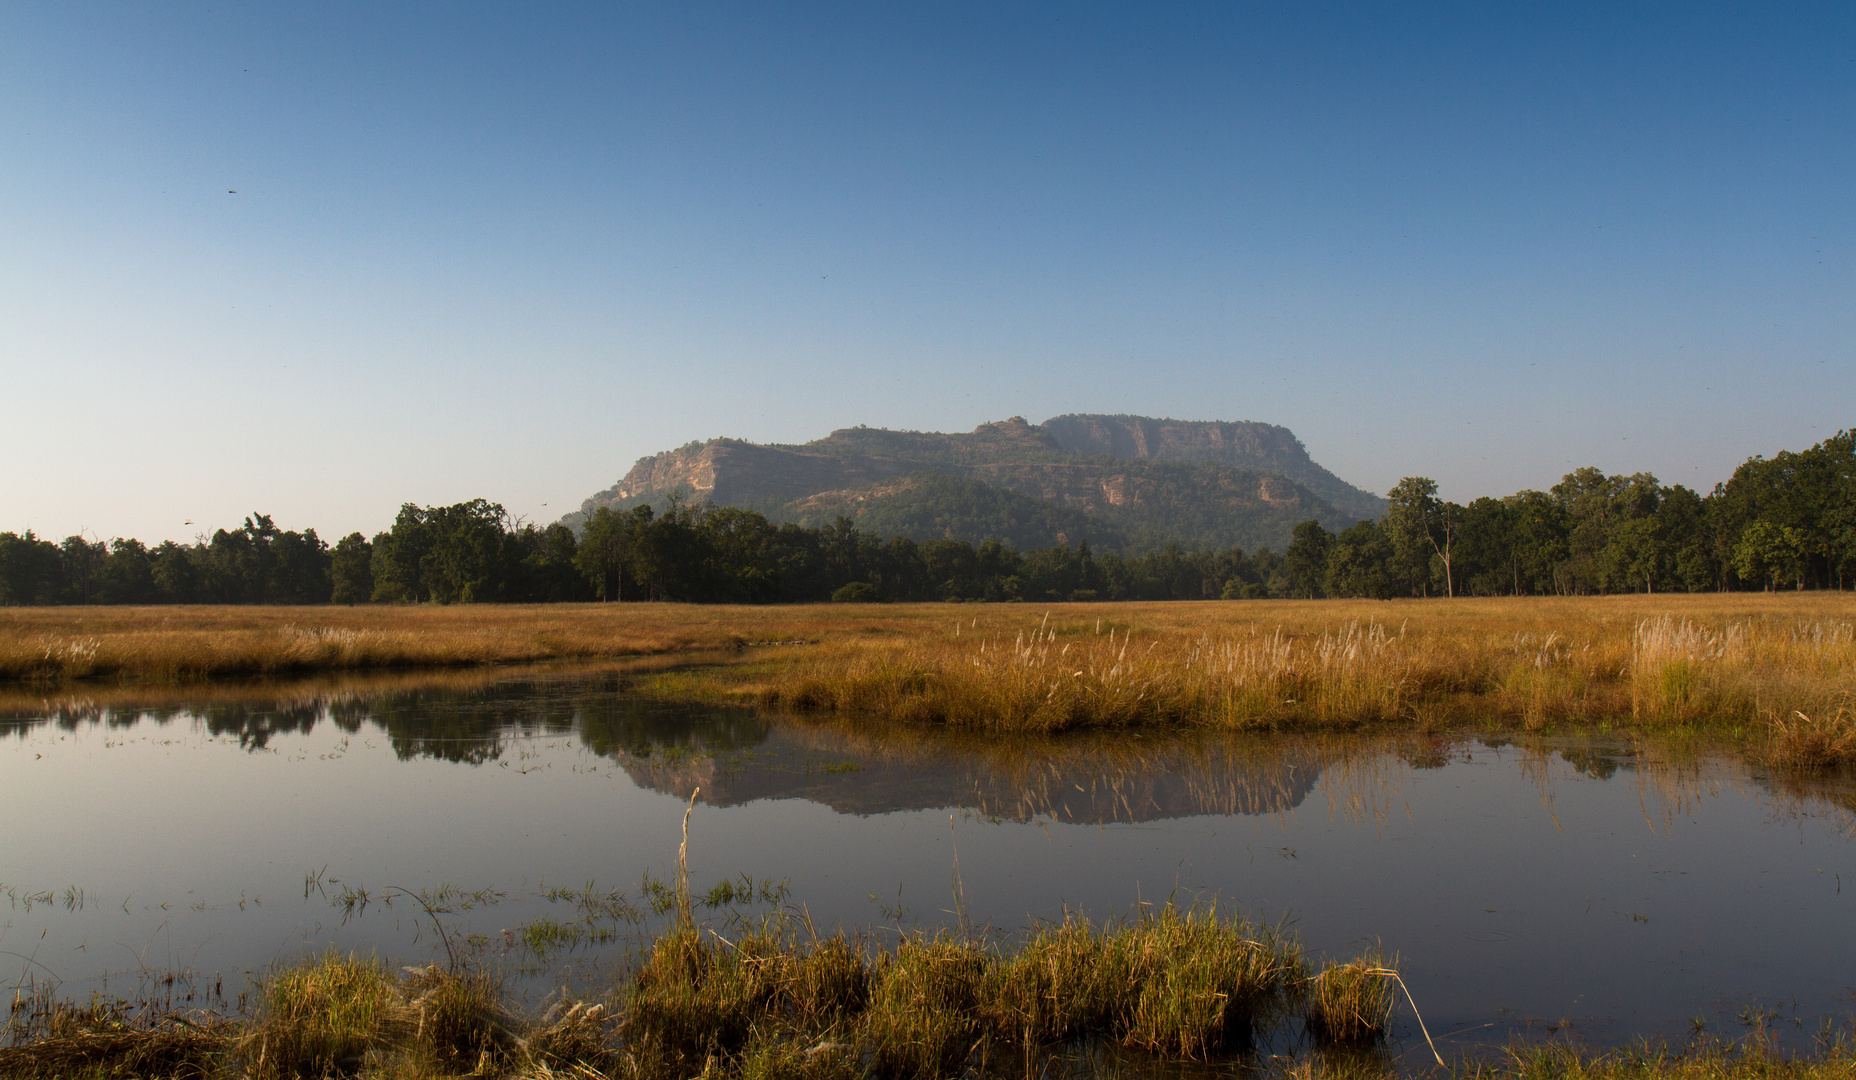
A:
[684,915]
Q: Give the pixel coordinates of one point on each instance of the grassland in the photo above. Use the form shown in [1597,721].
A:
[1783,665]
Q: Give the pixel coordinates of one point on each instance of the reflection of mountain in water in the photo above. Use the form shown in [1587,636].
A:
[1093,779]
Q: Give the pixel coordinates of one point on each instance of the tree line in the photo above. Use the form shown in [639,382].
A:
[1787,522]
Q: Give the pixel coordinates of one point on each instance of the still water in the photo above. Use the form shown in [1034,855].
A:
[1595,887]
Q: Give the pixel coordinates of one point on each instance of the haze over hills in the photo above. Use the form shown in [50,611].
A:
[1127,483]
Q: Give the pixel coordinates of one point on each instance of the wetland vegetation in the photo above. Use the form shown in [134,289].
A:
[1777,670]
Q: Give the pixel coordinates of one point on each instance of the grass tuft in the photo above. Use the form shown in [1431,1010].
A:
[322,1017]
[1351,1002]
[922,1020]
[1805,743]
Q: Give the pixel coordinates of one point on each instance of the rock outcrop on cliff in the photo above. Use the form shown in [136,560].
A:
[1122,482]
[1246,445]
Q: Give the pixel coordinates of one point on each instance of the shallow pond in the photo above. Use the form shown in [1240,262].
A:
[1596,886]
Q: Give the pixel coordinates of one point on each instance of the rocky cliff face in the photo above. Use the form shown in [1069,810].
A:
[1246,445]
[1250,445]
[735,473]
[1144,473]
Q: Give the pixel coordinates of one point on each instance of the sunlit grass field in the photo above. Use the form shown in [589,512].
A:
[1783,664]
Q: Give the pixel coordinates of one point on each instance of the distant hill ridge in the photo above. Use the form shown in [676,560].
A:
[1122,482]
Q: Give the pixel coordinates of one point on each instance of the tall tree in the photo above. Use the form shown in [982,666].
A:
[1421,527]
[351,570]
[1306,560]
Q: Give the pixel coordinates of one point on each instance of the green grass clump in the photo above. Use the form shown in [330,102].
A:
[1351,1002]
[787,1058]
[827,980]
[106,1038]
[697,998]
[922,1022]
[458,1017]
[1056,985]
[1203,981]
[322,1016]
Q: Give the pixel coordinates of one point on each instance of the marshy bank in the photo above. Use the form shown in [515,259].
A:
[1778,668]
[1171,992]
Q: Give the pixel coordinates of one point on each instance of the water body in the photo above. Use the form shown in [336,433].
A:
[1598,887]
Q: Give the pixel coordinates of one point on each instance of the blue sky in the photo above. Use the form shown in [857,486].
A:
[321,260]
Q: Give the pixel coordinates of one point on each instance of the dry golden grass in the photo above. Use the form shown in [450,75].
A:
[1730,660]
[1803,742]
[1734,660]
[190,643]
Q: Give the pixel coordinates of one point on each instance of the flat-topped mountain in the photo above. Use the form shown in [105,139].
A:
[1121,482]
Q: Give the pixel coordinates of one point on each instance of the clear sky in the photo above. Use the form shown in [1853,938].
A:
[321,259]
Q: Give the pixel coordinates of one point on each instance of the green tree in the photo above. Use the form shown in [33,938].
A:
[127,576]
[176,572]
[1421,527]
[30,569]
[604,555]
[1360,563]
[82,561]
[1771,553]
[351,569]
[1307,558]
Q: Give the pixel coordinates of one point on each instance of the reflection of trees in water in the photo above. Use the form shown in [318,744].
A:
[463,717]
[1675,774]
[472,726]
[255,725]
